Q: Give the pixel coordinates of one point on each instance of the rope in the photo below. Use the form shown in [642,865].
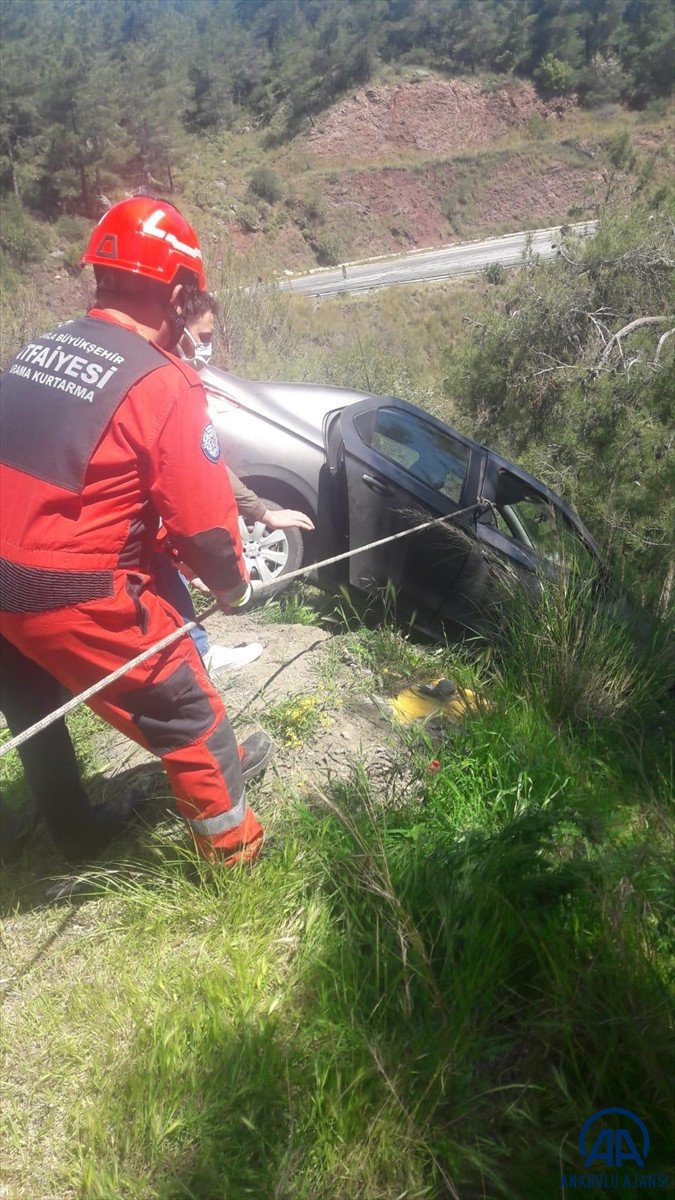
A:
[82,697]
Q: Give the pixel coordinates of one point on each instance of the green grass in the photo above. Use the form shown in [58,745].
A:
[83,725]
[302,605]
[297,719]
[420,995]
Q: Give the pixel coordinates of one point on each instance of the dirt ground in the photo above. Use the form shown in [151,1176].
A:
[355,725]
[433,116]
[406,206]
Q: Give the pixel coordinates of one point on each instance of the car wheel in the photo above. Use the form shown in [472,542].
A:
[270,553]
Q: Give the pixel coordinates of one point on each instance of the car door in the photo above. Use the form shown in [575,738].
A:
[404,467]
[528,527]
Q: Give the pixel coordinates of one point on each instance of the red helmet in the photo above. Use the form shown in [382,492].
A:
[147,237]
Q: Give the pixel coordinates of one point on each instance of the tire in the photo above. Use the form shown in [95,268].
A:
[260,543]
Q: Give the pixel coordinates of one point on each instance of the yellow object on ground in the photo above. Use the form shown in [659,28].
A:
[441,697]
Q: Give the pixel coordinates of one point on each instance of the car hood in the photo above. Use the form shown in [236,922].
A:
[300,408]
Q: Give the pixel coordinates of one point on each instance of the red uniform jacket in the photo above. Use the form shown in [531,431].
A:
[102,433]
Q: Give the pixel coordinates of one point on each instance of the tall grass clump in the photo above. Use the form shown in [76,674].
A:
[580,653]
[501,974]
[23,309]
[22,238]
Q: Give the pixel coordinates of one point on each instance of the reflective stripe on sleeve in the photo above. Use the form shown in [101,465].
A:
[210,826]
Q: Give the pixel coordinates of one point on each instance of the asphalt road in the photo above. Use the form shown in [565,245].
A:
[424,266]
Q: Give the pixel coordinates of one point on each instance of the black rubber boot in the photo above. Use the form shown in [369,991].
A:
[258,750]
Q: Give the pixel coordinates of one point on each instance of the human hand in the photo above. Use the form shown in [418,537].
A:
[194,580]
[236,599]
[287,518]
[199,586]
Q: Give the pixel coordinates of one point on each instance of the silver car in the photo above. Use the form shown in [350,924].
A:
[364,467]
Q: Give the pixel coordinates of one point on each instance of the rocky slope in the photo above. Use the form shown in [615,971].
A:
[429,117]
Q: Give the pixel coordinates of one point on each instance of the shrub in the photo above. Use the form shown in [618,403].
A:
[494,273]
[314,209]
[455,204]
[553,75]
[546,380]
[249,218]
[537,127]
[24,308]
[266,184]
[603,81]
[71,259]
[70,228]
[654,110]
[328,249]
[20,235]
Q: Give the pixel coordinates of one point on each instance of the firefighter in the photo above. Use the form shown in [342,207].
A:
[104,433]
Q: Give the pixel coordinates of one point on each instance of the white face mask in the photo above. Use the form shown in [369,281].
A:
[201,351]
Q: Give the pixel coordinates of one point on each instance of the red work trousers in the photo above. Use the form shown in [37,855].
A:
[168,704]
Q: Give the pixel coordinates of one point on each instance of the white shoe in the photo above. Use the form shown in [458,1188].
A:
[231,658]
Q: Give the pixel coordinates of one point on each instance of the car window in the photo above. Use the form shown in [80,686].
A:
[529,518]
[430,455]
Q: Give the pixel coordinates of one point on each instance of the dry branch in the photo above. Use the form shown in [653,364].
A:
[662,339]
[616,338]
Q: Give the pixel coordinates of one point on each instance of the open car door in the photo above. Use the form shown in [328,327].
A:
[403,467]
[530,527]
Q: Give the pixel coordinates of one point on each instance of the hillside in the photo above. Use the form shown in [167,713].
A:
[431,116]
[395,166]
[407,165]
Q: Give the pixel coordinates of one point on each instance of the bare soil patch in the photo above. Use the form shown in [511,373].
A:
[396,202]
[397,208]
[528,197]
[434,116]
[297,660]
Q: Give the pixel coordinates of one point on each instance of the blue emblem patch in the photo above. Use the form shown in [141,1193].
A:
[210,444]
